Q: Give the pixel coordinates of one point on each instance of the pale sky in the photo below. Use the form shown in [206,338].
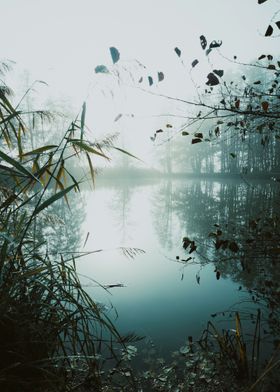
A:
[62,41]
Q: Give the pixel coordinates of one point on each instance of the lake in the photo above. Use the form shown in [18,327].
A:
[164,298]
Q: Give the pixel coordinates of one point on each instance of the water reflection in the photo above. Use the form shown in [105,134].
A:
[158,300]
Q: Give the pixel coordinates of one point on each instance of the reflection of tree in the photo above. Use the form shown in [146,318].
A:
[163,214]
[121,207]
[226,209]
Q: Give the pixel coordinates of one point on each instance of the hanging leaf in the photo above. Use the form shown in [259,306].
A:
[203,42]
[232,155]
[160,76]
[194,63]
[185,133]
[208,51]
[101,69]
[150,79]
[219,72]
[197,278]
[263,56]
[198,134]
[194,141]
[115,54]
[178,51]
[212,80]
[215,44]
[269,31]
[265,105]
[218,275]
[118,117]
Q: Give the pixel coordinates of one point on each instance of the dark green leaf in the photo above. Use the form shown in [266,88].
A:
[195,62]
[212,80]
[263,56]
[232,155]
[199,135]
[53,199]
[269,31]
[218,72]
[115,54]
[150,79]
[185,133]
[215,44]
[261,1]
[203,42]
[17,165]
[178,52]
[278,24]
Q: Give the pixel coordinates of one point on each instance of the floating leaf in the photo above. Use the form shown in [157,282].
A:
[159,131]
[150,79]
[215,44]
[269,31]
[195,62]
[203,42]
[178,51]
[278,24]
[160,76]
[261,1]
[140,80]
[257,82]
[169,126]
[263,56]
[115,54]
[232,155]
[212,80]
[101,69]
[265,106]
[271,66]
[194,141]
[269,57]
[208,51]
[185,133]
[218,72]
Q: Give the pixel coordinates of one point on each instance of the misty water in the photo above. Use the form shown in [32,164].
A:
[164,299]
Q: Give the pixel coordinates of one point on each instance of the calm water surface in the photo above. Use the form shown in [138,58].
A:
[163,300]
